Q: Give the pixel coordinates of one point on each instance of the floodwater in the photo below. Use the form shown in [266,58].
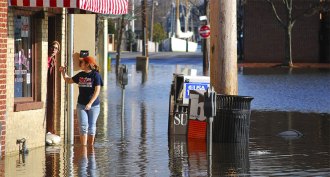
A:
[283,99]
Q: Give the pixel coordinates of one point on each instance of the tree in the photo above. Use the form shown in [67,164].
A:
[287,22]
[130,39]
[159,34]
[111,27]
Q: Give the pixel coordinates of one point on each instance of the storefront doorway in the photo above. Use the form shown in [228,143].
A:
[53,79]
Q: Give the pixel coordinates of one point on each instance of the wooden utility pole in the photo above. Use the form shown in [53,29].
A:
[119,39]
[152,20]
[206,42]
[144,28]
[223,47]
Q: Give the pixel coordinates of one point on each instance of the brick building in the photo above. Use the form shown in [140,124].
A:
[29,32]
[26,33]
[264,37]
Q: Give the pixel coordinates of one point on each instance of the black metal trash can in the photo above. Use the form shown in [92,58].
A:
[232,122]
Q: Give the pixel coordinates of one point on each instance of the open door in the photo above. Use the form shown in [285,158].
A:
[53,80]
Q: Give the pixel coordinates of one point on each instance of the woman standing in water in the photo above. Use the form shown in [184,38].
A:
[88,107]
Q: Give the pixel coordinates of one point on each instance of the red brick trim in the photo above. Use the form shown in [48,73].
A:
[3,71]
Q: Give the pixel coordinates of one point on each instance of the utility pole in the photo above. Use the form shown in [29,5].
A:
[152,19]
[223,47]
[206,42]
[119,39]
[133,19]
[144,28]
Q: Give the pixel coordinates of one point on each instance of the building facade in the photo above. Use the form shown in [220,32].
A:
[30,30]
[264,38]
[25,37]
[26,30]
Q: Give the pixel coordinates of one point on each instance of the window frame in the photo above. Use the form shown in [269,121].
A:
[32,102]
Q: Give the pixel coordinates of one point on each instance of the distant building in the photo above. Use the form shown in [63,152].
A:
[264,37]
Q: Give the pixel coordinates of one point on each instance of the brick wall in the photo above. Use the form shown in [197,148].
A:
[3,71]
[325,38]
[264,37]
[22,124]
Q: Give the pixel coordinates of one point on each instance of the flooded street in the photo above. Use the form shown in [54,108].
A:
[283,99]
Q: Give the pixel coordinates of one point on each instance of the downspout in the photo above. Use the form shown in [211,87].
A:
[105,53]
[70,86]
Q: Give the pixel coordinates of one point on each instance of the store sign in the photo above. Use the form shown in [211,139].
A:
[25,27]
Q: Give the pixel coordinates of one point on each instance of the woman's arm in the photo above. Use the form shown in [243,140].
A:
[95,95]
[65,76]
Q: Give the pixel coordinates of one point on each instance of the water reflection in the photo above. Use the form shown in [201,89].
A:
[188,157]
[231,159]
[306,156]
[52,159]
[84,161]
[198,158]
[142,151]
[178,153]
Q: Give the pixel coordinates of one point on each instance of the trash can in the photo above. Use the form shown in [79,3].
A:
[232,121]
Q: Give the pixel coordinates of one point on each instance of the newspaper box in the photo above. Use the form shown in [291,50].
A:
[179,100]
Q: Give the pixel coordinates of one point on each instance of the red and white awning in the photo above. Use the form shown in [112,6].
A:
[96,6]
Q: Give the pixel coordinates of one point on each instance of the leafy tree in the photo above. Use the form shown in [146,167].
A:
[159,34]
[130,38]
[111,27]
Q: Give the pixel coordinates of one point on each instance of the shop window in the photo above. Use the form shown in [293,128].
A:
[24,79]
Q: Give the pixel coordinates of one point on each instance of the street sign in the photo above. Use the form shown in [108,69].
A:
[205,31]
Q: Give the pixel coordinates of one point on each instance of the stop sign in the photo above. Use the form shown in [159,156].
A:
[205,31]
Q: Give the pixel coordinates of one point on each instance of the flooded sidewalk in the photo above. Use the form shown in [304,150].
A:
[298,99]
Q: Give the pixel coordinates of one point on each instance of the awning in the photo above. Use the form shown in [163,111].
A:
[96,6]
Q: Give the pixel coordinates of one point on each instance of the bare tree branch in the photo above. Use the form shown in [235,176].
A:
[290,5]
[287,4]
[312,10]
[276,14]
